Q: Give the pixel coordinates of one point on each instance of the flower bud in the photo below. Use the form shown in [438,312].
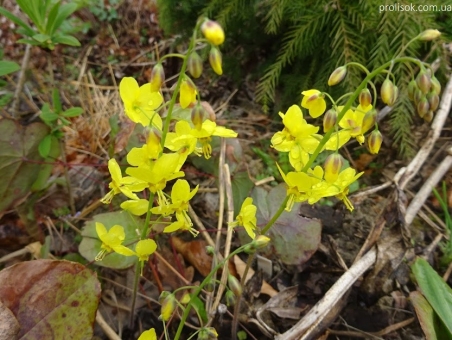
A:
[230,298]
[374,141]
[424,82]
[365,98]
[261,241]
[207,333]
[213,32]
[417,96]
[429,35]
[194,65]
[369,120]
[423,107]
[234,285]
[412,87]
[433,101]
[215,60]
[185,298]
[157,77]
[209,286]
[388,94]
[428,117]
[329,120]
[198,115]
[337,76]
[168,306]
[333,165]
[436,86]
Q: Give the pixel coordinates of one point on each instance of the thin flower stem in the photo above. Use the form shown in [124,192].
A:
[200,287]
[275,216]
[178,84]
[176,55]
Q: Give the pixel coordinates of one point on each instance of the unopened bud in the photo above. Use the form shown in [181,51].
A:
[428,117]
[198,115]
[194,65]
[423,107]
[388,94]
[329,120]
[365,98]
[168,306]
[209,286]
[260,242]
[230,298]
[333,165]
[234,285]
[412,87]
[337,76]
[369,120]
[424,82]
[185,298]
[429,35]
[154,136]
[436,86]
[157,77]
[374,142]
[207,333]
[433,101]
[215,60]
[213,32]
[418,95]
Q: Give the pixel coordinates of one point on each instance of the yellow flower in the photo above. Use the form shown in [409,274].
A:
[182,141]
[125,185]
[144,249]
[164,169]
[247,217]
[149,151]
[181,223]
[136,207]
[342,183]
[148,335]
[209,129]
[313,101]
[140,103]
[187,93]
[111,241]
[298,137]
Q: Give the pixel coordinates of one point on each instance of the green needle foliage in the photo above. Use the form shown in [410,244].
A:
[297,44]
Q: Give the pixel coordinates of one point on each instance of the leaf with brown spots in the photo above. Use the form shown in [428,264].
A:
[51,299]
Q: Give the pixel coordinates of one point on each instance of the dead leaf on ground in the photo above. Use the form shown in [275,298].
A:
[240,267]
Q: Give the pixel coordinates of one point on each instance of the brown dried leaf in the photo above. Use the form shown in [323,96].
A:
[240,267]
[51,299]
[195,253]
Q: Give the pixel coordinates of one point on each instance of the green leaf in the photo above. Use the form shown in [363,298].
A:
[90,245]
[430,323]
[69,294]
[42,38]
[7,67]
[436,291]
[44,146]
[241,188]
[64,12]
[73,112]
[47,115]
[198,305]
[45,172]
[19,160]
[26,29]
[66,39]
[29,41]
[51,18]
[32,8]
[294,238]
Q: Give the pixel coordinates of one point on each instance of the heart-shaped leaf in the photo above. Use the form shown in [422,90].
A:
[294,238]
[90,245]
[51,299]
[19,159]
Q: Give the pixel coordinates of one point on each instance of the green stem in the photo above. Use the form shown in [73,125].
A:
[169,55]
[176,90]
[200,287]
[275,216]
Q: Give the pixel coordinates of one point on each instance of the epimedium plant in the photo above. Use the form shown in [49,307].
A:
[160,159]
